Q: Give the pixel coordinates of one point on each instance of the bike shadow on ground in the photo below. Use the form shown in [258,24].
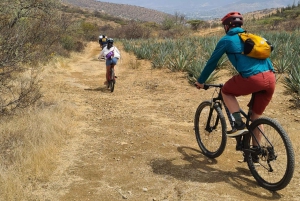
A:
[196,167]
[102,89]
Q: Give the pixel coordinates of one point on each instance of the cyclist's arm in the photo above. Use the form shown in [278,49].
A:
[102,54]
[213,61]
[117,53]
[199,86]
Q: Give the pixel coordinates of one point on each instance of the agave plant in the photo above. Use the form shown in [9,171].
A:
[159,60]
[195,69]
[292,83]
[284,62]
[181,61]
[128,45]
[208,46]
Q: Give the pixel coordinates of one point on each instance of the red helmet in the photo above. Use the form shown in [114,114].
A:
[233,19]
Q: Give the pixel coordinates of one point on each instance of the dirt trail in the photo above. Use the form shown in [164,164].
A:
[138,143]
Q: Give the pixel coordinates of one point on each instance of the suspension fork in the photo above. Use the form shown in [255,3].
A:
[213,105]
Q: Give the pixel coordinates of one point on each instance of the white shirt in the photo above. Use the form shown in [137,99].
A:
[105,51]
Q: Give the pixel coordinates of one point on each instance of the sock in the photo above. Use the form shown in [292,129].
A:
[237,117]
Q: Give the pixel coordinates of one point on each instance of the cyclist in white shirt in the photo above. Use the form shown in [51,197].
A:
[111,55]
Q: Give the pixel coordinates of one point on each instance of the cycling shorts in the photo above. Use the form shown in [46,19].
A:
[113,61]
[263,83]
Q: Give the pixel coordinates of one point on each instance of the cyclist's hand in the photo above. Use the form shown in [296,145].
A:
[198,85]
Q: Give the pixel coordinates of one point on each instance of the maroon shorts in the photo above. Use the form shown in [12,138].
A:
[263,83]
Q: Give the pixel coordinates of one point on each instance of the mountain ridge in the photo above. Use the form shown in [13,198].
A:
[136,12]
[124,11]
[206,9]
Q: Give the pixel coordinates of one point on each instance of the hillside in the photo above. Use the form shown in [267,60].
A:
[206,9]
[121,10]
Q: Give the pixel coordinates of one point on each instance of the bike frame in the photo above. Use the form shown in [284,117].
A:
[220,102]
[262,153]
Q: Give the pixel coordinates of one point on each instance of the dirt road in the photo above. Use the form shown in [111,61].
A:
[138,143]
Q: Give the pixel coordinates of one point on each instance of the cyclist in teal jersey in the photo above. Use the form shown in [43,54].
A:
[255,75]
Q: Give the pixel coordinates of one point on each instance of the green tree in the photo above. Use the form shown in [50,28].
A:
[195,24]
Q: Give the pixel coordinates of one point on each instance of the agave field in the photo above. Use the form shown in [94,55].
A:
[190,55]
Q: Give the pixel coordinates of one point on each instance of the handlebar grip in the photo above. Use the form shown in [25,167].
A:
[205,87]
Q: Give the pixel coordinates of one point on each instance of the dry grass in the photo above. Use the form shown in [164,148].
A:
[30,143]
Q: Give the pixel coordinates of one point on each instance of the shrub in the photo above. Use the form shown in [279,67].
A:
[89,31]
[30,33]
[132,30]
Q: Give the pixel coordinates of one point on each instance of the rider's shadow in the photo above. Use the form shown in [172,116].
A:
[102,89]
[198,168]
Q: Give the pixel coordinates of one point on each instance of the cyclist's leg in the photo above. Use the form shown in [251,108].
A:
[230,91]
[108,63]
[262,99]
[107,73]
[231,102]
[114,63]
[256,132]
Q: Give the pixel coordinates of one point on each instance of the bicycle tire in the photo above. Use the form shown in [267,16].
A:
[282,163]
[111,85]
[112,80]
[213,142]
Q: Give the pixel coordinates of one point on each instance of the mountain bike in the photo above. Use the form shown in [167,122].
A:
[271,161]
[111,79]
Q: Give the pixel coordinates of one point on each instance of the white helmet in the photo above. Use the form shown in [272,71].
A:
[100,36]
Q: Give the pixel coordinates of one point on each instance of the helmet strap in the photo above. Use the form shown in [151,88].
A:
[226,28]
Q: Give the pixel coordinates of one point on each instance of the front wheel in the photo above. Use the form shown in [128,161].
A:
[276,161]
[210,129]
[111,83]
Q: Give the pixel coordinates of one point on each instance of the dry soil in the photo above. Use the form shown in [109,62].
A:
[138,143]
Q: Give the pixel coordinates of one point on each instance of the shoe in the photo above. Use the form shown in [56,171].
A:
[237,130]
[255,159]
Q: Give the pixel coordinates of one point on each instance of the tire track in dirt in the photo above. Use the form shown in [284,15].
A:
[138,143]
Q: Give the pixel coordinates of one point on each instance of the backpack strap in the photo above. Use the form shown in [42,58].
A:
[240,39]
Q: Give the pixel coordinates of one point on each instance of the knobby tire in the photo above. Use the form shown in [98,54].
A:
[211,136]
[111,83]
[280,172]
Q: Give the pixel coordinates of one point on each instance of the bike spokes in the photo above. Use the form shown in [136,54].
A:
[274,154]
[210,130]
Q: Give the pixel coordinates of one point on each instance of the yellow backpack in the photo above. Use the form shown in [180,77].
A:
[256,46]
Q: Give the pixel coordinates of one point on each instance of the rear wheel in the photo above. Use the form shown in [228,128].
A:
[276,156]
[210,129]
